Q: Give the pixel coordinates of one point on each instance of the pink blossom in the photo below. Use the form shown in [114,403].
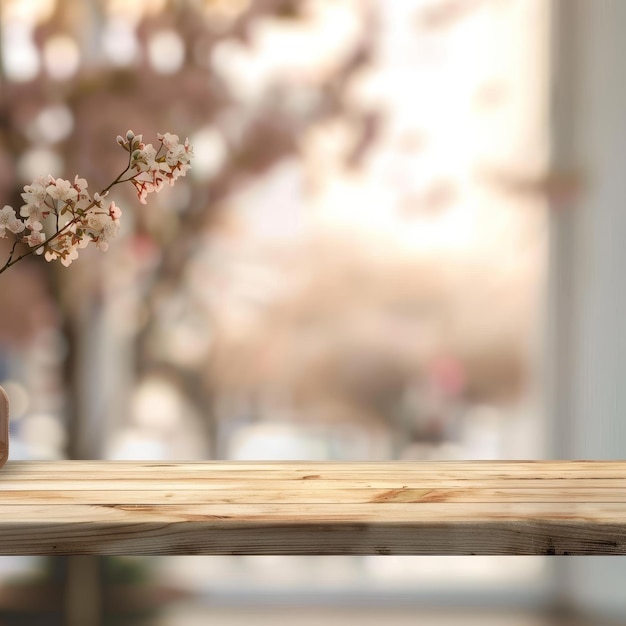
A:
[61,189]
[168,140]
[34,238]
[114,211]
[9,221]
[35,213]
[80,184]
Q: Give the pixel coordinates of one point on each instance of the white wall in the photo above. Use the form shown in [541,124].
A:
[587,327]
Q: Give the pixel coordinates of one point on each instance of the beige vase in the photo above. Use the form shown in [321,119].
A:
[4,427]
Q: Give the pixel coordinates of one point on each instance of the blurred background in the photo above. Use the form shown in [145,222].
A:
[400,239]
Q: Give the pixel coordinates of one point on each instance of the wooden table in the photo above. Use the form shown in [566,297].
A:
[152,508]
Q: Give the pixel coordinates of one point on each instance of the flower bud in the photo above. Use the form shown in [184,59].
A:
[130,135]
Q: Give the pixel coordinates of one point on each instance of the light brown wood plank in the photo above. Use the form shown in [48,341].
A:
[282,470]
[209,484]
[313,508]
[309,496]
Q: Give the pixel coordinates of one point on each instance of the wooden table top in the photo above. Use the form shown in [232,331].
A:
[438,508]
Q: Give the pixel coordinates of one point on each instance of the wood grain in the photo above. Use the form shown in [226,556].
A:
[479,507]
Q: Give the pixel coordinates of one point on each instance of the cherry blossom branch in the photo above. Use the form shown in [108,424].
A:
[59,231]
[81,219]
